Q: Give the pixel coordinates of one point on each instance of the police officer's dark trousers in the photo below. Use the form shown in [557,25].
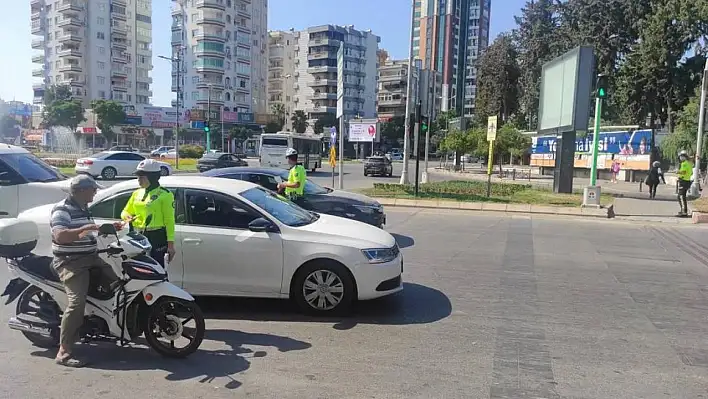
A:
[684,186]
[158,240]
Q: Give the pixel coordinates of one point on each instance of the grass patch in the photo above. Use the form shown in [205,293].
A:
[476,191]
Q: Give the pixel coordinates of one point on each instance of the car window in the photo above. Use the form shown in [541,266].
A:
[280,208]
[125,156]
[111,207]
[31,168]
[8,177]
[135,157]
[205,208]
[263,180]
[311,188]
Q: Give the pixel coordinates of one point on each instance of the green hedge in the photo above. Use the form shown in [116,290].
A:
[191,151]
[472,188]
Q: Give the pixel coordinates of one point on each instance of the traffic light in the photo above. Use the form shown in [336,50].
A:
[424,124]
[206,127]
[601,86]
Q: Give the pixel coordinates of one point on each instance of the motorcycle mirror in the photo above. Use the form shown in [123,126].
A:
[107,229]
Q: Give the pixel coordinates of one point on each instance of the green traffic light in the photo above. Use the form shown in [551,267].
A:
[424,127]
[206,129]
[601,92]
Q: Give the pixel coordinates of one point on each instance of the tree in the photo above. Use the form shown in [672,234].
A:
[240,134]
[108,115]
[509,142]
[461,141]
[9,126]
[684,136]
[299,120]
[61,109]
[278,109]
[393,130]
[498,82]
[272,127]
[325,121]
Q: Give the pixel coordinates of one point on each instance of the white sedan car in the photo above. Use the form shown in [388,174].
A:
[111,164]
[235,238]
[171,154]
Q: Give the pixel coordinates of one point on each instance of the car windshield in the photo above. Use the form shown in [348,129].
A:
[280,208]
[32,168]
[311,188]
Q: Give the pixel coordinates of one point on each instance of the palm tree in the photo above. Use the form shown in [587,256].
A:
[299,120]
[278,109]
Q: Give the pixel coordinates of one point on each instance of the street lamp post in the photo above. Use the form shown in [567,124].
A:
[208,118]
[699,138]
[285,103]
[177,60]
[409,94]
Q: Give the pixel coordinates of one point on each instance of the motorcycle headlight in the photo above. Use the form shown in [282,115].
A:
[381,255]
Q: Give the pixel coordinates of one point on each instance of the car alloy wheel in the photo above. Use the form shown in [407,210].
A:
[324,287]
[323,290]
[108,173]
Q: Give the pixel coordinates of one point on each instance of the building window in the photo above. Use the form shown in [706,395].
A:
[101,65]
[100,35]
[195,95]
[101,50]
[100,80]
[102,94]
[101,21]
[143,18]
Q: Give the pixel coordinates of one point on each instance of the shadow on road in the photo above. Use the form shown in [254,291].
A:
[417,304]
[325,173]
[403,241]
[206,365]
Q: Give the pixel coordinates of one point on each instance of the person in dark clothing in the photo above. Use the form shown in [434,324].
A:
[656,175]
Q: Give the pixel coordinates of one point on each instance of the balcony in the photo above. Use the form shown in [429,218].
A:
[211,20]
[243,29]
[320,69]
[70,38]
[119,44]
[119,3]
[76,82]
[70,22]
[38,87]
[38,44]
[37,28]
[209,52]
[38,72]
[177,27]
[38,59]
[324,42]
[121,16]
[118,72]
[209,68]
[68,5]
[70,52]
[215,4]
[240,89]
[321,110]
[323,96]
[210,36]
[69,68]
[322,82]
[243,13]
[393,78]
[118,85]
[243,57]
[119,30]
[205,84]
[36,4]
[321,55]
[119,58]
[212,101]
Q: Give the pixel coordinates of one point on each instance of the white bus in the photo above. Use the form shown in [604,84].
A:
[273,146]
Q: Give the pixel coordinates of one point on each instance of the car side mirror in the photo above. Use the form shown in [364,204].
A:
[262,225]
[107,229]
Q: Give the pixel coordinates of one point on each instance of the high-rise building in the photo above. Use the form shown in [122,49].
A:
[448,36]
[222,50]
[102,49]
[393,84]
[281,71]
[259,56]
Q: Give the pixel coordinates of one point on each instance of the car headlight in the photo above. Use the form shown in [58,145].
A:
[381,255]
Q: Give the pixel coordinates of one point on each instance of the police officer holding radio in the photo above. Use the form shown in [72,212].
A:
[153,200]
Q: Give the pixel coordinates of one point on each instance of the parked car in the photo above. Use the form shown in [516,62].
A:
[395,156]
[217,160]
[317,198]
[26,181]
[111,164]
[381,166]
[235,238]
[171,154]
[161,150]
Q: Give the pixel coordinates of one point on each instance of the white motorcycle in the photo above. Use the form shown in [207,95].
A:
[142,301]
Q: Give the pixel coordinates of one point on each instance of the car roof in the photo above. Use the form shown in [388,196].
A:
[226,186]
[12,149]
[245,169]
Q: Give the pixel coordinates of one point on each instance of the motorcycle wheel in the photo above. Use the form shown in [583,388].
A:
[29,303]
[167,319]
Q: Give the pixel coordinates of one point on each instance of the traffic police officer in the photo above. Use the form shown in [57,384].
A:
[153,200]
[295,186]
[685,173]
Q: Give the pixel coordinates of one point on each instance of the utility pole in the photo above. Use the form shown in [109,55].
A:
[409,100]
[431,118]
[223,134]
[418,125]
[208,119]
[176,60]
[699,139]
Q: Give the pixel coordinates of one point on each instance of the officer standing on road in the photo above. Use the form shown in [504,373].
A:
[295,186]
[685,173]
[75,256]
[153,200]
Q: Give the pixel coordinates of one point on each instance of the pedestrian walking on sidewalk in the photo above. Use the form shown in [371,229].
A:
[685,173]
[655,176]
[615,169]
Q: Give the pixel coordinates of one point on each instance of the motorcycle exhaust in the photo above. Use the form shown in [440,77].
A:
[16,324]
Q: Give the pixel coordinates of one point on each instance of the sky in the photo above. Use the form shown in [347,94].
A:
[388,19]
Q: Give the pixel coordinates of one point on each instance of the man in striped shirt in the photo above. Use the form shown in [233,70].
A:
[74,248]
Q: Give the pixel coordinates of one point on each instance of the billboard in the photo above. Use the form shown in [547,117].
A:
[363,131]
[631,147]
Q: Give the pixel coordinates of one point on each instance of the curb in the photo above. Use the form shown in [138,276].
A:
[494,207]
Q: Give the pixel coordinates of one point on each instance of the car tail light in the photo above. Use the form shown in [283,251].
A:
[84,162]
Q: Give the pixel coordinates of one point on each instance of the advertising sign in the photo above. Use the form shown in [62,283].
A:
[363,131]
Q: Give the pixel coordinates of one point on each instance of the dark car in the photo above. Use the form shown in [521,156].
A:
[218,160]
[378,165]
[317,198]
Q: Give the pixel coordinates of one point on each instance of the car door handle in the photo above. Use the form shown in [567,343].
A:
[192,241]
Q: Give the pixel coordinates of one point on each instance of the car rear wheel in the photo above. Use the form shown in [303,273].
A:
[323,288]
[109,173]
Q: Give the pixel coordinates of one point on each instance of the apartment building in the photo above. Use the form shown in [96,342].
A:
[448,36]
[222,53]
[313,74]
[102,49]
[281,71]
[393,84]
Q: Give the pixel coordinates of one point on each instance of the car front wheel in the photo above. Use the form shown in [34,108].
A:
[323,288]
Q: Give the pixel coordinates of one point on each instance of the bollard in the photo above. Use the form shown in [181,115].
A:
[513,174]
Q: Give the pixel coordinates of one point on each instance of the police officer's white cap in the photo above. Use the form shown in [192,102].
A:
[290,152]
[148,166]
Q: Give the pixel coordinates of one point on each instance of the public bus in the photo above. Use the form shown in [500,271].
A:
[274,145]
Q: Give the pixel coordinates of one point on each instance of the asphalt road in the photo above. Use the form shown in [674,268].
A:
[494,307]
